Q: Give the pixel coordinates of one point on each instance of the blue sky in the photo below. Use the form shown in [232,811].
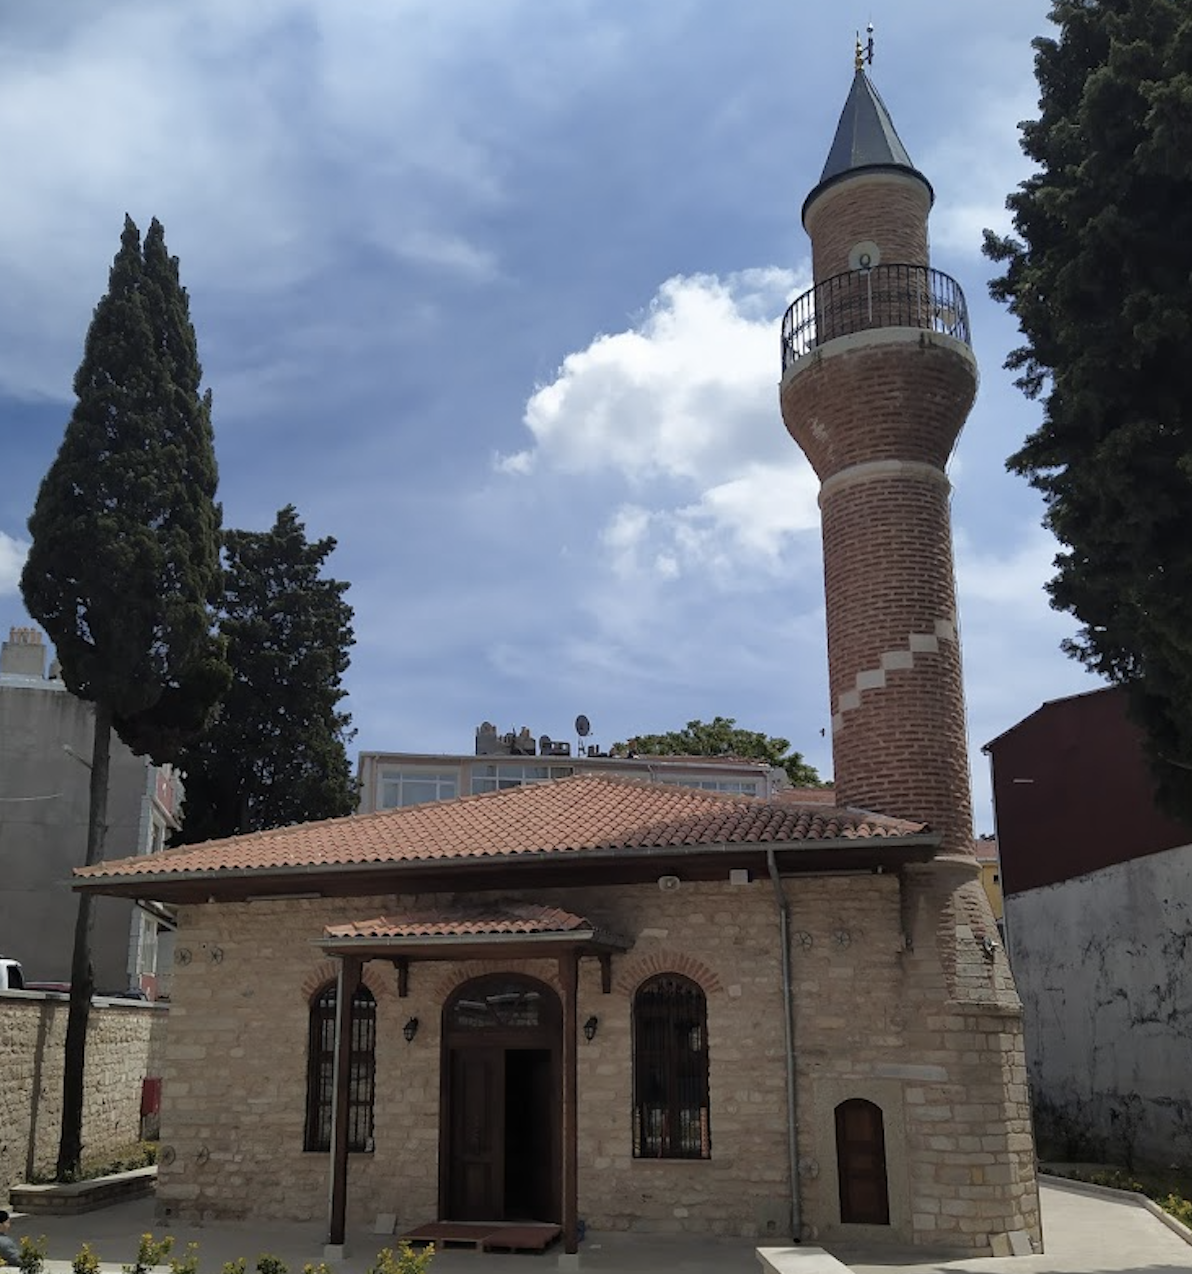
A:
[491,293]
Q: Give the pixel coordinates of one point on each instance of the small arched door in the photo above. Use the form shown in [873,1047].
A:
[502,1101]
[861,1163]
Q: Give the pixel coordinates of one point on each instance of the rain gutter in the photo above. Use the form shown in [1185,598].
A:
[635,853]
[788,1027]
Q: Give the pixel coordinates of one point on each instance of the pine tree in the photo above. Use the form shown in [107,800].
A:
[723,737]
[124,561]
[275,752]
[1100,280]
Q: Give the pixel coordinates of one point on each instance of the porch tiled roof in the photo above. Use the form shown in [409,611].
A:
[564,817]
[460,922]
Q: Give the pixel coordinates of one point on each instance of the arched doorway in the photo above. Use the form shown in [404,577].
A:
[861,1163]
[502,1095]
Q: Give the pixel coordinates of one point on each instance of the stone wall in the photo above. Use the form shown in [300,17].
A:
[941,1056]
[120,1039]
[1102,963]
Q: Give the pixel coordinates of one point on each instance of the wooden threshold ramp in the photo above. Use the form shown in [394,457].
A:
[485,1236]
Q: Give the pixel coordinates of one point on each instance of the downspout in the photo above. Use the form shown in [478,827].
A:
[788,1025]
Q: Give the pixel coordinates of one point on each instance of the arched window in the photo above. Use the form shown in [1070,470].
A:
[320,1070]
[670,1070]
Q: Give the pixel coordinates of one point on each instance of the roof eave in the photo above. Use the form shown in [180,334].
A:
[299,878]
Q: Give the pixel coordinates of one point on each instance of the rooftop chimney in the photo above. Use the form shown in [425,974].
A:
[24,653]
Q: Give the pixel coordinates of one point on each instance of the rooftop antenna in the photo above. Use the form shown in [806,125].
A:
[865,51]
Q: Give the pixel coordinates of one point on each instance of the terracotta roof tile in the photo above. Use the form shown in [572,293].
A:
[464,922]
[567,816]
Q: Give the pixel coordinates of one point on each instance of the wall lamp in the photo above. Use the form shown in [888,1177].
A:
[590,1028]
[410,1030]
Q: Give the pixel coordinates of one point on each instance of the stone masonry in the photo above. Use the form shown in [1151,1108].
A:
[236,1064]
[123,1039]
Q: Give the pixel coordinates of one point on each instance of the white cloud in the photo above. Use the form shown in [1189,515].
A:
[684,404]
[12,559]
[975,167]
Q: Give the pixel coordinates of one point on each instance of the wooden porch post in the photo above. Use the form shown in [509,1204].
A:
[341,1079]
[569,977]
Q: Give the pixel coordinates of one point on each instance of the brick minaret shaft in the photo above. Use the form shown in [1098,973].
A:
[878,379]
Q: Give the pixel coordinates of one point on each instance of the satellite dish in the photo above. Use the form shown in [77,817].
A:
[583,727]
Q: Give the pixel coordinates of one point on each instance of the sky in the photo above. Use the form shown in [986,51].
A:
[491,292]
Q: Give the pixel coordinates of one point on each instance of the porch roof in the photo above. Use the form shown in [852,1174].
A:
[453,932]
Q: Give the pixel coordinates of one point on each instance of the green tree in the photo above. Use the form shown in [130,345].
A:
[1099,276]
[124,564]
[274,753]
[722,737]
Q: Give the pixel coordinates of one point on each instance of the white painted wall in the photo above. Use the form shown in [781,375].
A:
[1103,964]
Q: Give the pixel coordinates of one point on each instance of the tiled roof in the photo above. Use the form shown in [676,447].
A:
[985,850]
[564,817]
[460,922]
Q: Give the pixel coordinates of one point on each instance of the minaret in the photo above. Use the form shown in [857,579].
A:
[877,379]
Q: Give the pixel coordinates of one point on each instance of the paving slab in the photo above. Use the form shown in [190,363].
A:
[1084,1234]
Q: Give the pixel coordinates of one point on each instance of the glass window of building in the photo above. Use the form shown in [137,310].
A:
[416,787]
[497,777]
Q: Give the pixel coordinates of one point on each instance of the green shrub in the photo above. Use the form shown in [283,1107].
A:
[86,1262]
[188,1262]
[404,1261]
[267,1264]
[141,1154]
[238,1266]
[33,1254]
[150,1252]
[1178,1206]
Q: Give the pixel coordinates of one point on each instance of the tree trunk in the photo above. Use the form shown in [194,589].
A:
[82,977]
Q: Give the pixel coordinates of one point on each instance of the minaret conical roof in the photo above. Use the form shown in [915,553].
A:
[866,139]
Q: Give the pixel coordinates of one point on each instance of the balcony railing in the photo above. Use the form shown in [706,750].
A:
[886,296]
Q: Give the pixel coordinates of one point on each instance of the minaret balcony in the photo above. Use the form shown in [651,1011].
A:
[884,296]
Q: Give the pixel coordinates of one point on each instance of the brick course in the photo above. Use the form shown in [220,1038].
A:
[889,209]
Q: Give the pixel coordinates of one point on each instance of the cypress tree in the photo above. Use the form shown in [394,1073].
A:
[274,754]
[124,562]
[1099,276]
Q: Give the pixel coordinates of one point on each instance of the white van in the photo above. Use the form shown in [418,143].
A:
[11,976]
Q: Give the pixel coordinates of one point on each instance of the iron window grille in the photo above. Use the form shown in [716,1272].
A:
[320,1086]
[670,1070]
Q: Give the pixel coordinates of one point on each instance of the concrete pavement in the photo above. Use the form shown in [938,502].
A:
[1084,1234]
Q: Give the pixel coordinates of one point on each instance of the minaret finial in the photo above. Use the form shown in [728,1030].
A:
[864,51]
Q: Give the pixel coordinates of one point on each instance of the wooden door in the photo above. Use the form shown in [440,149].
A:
[500,1137]
[476,1181]
[861,1163]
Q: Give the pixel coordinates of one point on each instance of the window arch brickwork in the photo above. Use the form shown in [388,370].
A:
[671,1118]
[632,973]
[320,1069]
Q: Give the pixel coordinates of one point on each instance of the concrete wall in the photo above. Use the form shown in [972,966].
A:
[122,1039]
[43,832]
[1102,965]
[878,1017]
